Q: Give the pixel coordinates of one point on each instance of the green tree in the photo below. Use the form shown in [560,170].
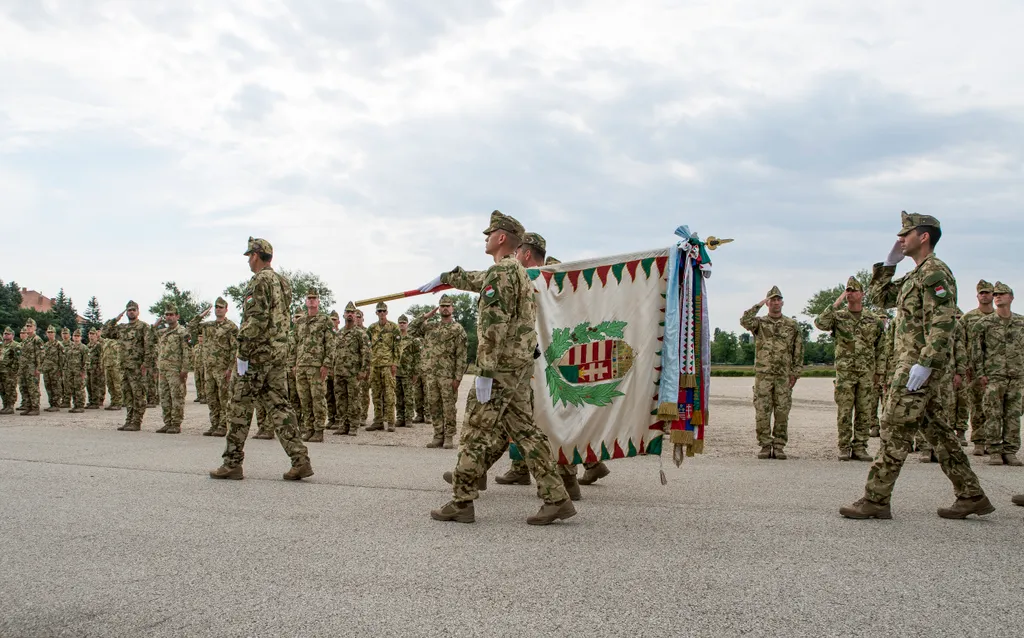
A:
[464,312]
[300,280]
[825,297]
[93,316]
[724,347]
[185,300]
[64,313]
[10,306]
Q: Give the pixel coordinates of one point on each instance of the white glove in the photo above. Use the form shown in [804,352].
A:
[918,375]
[242,367]
[895,255]
[434,283]
[483,389]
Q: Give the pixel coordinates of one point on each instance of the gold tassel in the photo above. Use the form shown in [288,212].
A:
[668,412]
[697,418]
[698,447]
[688,381]
[682,437]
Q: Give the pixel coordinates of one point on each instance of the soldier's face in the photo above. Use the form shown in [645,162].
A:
[382,315]
[359,320]
[171,318]
[253,258]
[77,338]
[220,311]
[446,311]
[30,331]
[984,298]
[350,317]
[855,297]
[94,338]
[493,241]
[1003,300]
[65,336]
[775,305]
[8,337]
[336,321]
[133,314]
[313,305]
[403,327]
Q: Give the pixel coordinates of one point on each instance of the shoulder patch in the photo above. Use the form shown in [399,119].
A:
[934,277]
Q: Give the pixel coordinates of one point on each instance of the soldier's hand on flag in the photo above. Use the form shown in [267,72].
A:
[433,283]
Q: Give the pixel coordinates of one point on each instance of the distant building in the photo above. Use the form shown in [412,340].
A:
[39,302]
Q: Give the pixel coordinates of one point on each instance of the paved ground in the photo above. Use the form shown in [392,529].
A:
[106,533]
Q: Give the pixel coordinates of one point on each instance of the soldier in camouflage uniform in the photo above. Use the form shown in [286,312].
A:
[365,385]
[53,370]
[419,386]
[220,341]
[313,337]
[76,362]
[507,318]
[65,342]
[384,337]
[408,362]
[332,403]
[925,300]
[96,380]
[261,367]
[1000,369]
[859,364]
[153,376]
[112,371]
[9,372]
[30,365]
[778,363]
[138,356]
[445,345]
[350,362]
[172,362]
[22,336]
[965,350]
[199,369]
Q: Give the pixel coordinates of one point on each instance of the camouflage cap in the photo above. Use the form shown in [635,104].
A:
[913,220]
[78,333]
[445,300]
[93,331]
[131,305]
[774,292]
[312,293]
[984,286]
[381,305]
[551,261]
[503,222]
[30,323]
[853,285]
[170,309]
[8,331]
[65,331]
[221,302]
[259,246]
[403,319]
[51,329]
[1002,289]
[350,307]
[534,239]
[359,313]
[335,315]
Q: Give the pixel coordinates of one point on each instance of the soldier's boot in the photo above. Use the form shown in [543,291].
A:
[481,483]
[1018,499]
[174,429]
[332,424]
[375,427]
[225,472]
[961,435]
[873,432]
[223,433]
[196,400]
[863,508]
[550,512]
[92,406]
[263,435]
[845,454]
[52,408]
[448,443]
[163,430]
[765,453]
[964,507]
[418,419]
[401,424]
[391,427]
[591,475]
[210,431]
[572,486]
[318,437]
[7,410]
[76,410]
[779,453]
[113,408]
[341,431]
[437,441]
[456,512]
[299,472]
[513,478]
[306,434]
[32,412]
[995,459]
[1011,459]
[862,455]
[980,449]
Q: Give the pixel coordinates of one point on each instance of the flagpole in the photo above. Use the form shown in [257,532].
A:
[400,295]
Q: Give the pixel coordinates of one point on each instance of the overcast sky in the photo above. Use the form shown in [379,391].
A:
[368,141]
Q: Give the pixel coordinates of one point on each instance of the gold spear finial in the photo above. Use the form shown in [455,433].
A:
[714,242]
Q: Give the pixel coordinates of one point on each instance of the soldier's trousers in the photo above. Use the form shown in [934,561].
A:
[153,388]
[1002,401]
[382,386]
[855,402]
[443,398]
[405,400]
[268,384]
[54,384]
[199,377]
[365,396]
[30,390]
[420,399]
[65,396]
[905,413]
[313,399]
[293,393]
[976,396]
[349,402]
[172,399]
[961,408]
[772,397]
[74,388]
[114,377]
[97,386]
[218,394]
[134,388]
[332,402]
[508,415]
[9,389]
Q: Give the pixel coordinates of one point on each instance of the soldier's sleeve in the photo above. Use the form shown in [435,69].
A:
[396,336]
[938,333]
[826,321]
[470,281]
[961,360]
[325,340]
[882,291]
[418,327]
[109,329]
[492,327]
[461,354]
[364,359]
[798,353]
[981,349]
[750,321]
[880,349]
[256,313]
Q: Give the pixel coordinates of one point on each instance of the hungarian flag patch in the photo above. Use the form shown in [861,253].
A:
[488,292]
[940,291]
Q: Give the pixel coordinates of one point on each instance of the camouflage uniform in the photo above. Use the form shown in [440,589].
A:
[314,337]
[263,344]
[293,386]
[152,377]
[383,355]
[507,339]
[96,379]
[137,350]
[53,370]
[860,362]
[1000,359]
[409,348]
[30,364]
[220,342]
[419,387]
[198,356]
[9,373]
[778,355]
[332,402]
[112,371]
[960,404]
[350,359]
[925,300]
[968,343]
[364,385]
[172,363]
[76,362]
[445,345]
[65,342]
